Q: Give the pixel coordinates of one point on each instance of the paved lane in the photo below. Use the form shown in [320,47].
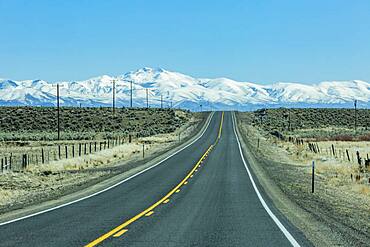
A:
[201,198]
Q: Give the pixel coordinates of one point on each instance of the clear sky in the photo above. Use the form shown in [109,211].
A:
[262,41]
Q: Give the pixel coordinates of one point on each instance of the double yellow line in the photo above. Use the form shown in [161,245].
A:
[119,230]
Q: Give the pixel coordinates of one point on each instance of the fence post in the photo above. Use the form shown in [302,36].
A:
[143,150]
[313,177]
[73,150]
[59,153]
[10,161]
[90,147]
[66,147]
[42,156]
[95,147]
[2,165]
[85,152]
[79,149]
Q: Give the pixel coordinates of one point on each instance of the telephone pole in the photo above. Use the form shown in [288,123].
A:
[131,94]
[58,106]
[355,115]
[114,96]
[147,98]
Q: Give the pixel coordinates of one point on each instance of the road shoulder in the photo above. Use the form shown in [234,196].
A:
[314,231]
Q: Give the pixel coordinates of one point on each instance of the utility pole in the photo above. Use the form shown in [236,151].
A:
[58,106]
[131,94]
[147,98]
[355,115]
[114,96]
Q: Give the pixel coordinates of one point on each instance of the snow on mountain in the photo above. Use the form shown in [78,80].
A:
[183,91]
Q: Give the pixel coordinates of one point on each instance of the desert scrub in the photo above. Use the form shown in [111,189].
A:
[40,123]
[320,123]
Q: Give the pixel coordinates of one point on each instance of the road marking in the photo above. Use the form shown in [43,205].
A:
[112,186]
[120,233]
[287,234]
[166,201]
[149,214]
[152,207]
[186,182]
[148,210]
[191,176]
[196,170]
[177,191]
[220,130]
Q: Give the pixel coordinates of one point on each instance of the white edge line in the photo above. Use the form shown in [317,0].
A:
[264,204]
[110,187]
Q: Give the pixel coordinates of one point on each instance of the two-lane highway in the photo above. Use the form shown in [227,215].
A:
[202,196]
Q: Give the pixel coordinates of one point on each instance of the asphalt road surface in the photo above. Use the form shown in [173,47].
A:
[202,196]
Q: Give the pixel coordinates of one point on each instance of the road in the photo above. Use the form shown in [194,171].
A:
[202,196]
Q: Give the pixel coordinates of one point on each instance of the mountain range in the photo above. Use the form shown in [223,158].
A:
[183,91]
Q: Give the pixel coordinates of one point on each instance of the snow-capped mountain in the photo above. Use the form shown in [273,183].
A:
[183,91]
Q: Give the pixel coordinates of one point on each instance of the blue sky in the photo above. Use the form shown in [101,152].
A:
[262,41]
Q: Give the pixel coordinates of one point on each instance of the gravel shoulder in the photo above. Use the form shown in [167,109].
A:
[329,217]
[38,189]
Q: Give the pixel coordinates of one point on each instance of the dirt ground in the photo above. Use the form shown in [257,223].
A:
[39,183]
[338,213]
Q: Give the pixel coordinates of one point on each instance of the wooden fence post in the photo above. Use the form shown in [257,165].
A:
[313,177]
[10,161]
[42,156]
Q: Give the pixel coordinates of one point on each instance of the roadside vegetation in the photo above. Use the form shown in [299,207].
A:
[103,145]
[286,142]
[40,123]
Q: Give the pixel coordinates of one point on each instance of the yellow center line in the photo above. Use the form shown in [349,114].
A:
[220,130]
[152,207]
[166,201]
[149,214]
[120,233]
[146,211]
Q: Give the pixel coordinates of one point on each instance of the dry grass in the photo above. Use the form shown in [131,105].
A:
[43,181]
